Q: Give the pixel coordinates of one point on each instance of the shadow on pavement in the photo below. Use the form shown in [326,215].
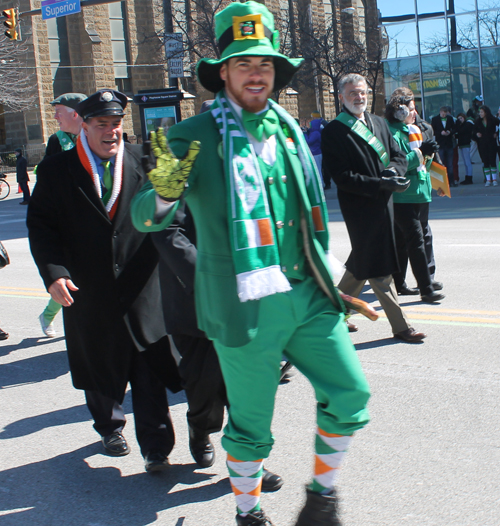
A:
[66,490]
[28,343]
[384,342]
[34,369]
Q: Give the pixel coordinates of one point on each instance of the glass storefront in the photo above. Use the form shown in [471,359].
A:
[446,51]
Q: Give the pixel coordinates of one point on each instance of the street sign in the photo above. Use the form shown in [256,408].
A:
[176,68]
[173,45]
[174,52]
[56,8]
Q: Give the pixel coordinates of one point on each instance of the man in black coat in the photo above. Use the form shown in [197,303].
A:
[443,125]
[199,366]
[366,175]
[22,176]
[104,273]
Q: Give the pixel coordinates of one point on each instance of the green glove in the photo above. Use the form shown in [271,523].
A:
[170,175]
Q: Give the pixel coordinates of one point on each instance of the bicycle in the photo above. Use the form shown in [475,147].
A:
[4,186]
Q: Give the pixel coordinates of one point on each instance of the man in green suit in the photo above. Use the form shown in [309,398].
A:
[263,284]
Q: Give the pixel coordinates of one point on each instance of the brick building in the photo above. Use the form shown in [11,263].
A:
[119,45]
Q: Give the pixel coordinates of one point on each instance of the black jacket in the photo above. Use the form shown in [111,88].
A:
[368,211]
[177,247]
[444,141]
[114,266]
[463,132]
[22,170]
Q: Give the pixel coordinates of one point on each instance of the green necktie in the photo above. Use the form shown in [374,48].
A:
[260,123]
[107,180]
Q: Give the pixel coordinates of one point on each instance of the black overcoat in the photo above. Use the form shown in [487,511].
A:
[368,211]
[177,247]
[118,304]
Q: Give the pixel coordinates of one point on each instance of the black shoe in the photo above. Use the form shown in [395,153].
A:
[319,510]
[351,327]
[432,297]
[257,518]
[3,335]
[24,202]
[202,449]
[410,336]
[437,285]
[270,482]
[286,372]
[407,291]
[115,444]
[155,461]
[328,186]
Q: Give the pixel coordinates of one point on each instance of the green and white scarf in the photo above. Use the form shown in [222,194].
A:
[252,235]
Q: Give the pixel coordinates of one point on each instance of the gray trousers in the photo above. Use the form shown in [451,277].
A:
[385,291]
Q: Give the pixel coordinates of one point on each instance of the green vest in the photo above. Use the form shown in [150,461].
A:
[285,210]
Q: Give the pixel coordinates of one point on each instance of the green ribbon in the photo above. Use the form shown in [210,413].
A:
[260,123]
[107,180]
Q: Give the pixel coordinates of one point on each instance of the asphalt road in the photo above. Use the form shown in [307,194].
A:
[429,457]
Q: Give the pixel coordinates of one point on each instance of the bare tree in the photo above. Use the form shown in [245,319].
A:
[327,53]
[17,79]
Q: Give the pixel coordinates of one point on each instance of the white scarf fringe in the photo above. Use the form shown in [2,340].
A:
[117,176]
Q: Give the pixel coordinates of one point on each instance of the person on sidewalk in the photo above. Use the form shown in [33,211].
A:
[22,176]
[413,202]
[70,124]
[367,166]
[443,125]
[464,128]
[485,133]
[263,286]
[105,275]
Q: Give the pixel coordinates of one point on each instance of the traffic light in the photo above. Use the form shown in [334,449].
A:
[11,23]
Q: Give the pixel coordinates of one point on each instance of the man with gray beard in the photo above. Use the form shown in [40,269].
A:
[367,166]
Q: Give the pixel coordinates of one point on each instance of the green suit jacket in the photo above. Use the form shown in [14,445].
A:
[220,313]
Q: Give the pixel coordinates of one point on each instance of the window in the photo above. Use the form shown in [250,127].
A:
[401,40]
[57,34]
[119,46]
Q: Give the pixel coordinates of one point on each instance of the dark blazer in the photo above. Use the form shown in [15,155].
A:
[22,170]
[444,141]
[368,211]
[114,266]
[177,248]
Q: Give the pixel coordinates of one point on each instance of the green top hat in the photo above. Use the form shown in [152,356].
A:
[246,30]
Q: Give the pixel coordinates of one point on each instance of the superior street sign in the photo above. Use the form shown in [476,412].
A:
[56,8]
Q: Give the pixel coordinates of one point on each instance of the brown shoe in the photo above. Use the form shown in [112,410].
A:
[410,335]
[351,326]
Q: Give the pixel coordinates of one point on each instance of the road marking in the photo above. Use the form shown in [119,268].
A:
[462,317]
[23,292]
[473,245]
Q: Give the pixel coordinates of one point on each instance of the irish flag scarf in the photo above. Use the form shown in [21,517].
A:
[252,235]
[88,162]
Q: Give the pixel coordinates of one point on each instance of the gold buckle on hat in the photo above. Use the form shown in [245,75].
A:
[248,27]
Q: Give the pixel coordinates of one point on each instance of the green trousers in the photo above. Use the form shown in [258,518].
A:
[51,310]
[304,326]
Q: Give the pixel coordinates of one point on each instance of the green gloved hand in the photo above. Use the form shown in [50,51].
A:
[170,174]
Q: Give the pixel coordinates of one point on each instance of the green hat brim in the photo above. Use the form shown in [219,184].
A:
[285,68]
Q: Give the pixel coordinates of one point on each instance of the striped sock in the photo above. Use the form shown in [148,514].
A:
[246,481]
[330,450]
[487,173]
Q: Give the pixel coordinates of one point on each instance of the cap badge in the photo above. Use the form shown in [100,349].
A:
[249,26]
[107,96]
